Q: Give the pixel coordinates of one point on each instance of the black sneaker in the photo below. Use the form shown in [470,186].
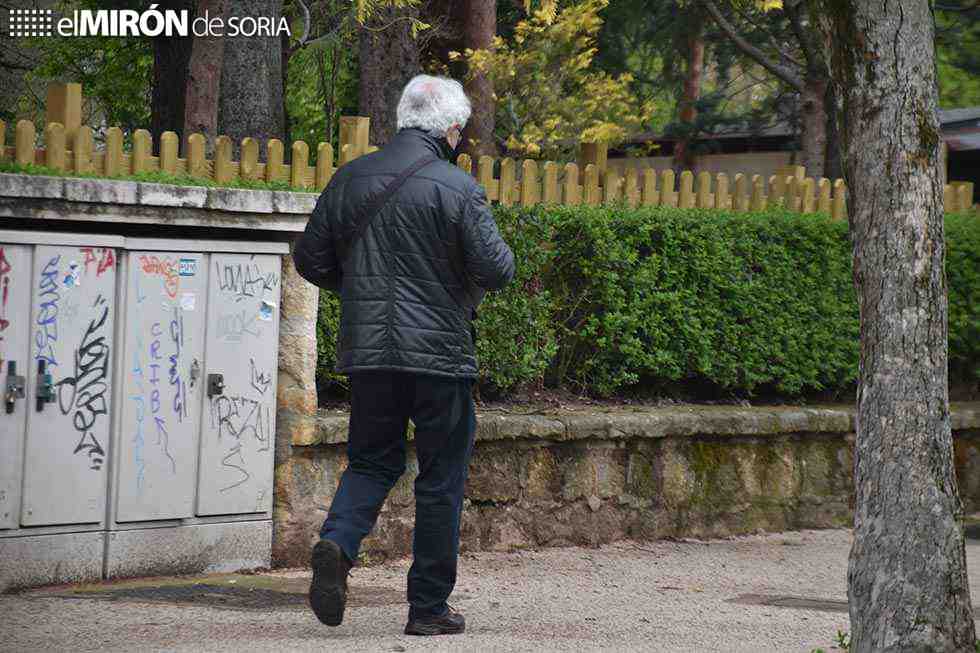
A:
[450,623]
[328,591]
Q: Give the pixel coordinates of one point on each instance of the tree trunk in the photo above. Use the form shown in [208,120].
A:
[479,28]
[204,79]
[832,167]
[813,116]
[171,55]
[287,125]
[388,58]
[327,87]
[907,581]
[683,156]
[251,79]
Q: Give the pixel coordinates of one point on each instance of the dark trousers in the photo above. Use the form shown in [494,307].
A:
[445,423]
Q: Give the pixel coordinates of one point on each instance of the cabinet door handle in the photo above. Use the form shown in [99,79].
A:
[45,386]
[195,372]
[216,385]
[13,388]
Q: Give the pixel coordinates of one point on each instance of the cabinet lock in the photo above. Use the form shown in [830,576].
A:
[216,384]
[13,388]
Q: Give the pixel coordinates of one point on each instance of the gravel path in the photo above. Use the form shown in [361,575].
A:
[780,592]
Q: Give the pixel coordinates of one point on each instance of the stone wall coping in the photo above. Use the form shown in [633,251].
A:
[84,198]
[629,422]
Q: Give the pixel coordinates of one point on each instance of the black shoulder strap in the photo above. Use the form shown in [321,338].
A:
[373,208]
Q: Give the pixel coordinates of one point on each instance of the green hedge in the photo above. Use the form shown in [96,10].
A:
[963,281]
[612,299]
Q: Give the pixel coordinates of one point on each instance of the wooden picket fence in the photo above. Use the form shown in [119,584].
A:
[80,156]
[508,182]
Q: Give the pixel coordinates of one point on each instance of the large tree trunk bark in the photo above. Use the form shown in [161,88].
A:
[691,93]
[171,55]
[479,28]
[251,79]
[388,58]
[204,79]
[907,580]
[813,116]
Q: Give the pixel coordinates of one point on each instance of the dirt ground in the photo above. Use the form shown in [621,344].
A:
[776,592]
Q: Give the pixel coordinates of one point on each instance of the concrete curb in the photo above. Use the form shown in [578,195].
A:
[114,191]
[331,427]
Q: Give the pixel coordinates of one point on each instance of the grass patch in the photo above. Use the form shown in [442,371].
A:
[155,176]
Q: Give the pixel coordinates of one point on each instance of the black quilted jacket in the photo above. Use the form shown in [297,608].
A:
[410,287]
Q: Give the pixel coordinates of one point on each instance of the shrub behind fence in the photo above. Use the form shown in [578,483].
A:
[608,299]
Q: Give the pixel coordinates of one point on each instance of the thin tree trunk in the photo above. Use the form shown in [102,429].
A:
[479,28]
[833,167]
[907,581]
[204,79]
[683,156]
[287,124]
[251,79]
[811,83]
[813,95]
[388,58]
[813,116]
[171,55]
[327,85]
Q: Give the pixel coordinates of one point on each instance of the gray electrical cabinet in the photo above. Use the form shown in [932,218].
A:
[15,302]
[238,433]
[162,390]
[66,449]
[139,380]
[57,301]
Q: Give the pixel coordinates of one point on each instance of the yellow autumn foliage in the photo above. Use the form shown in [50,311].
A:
[548,94]
[365,9]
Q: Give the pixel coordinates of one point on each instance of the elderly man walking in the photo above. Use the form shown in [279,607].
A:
[409,243]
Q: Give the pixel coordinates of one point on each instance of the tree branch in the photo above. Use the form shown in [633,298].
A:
[772,37]
[811,50]
[782,72]
[306,25]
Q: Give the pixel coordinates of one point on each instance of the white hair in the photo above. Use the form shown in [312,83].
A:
[433,104]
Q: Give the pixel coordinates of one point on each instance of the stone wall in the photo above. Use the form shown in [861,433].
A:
[296,396]
[583,478]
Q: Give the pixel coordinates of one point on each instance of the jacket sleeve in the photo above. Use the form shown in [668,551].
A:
[315,254]
[489,261]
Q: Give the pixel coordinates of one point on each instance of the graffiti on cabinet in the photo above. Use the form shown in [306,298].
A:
[244,280]
[242,424]
[157,383]
[84,394]
[5,273]
[99,258]
[46,331]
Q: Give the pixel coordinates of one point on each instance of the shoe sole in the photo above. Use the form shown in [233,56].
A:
[426,630]
[328,595]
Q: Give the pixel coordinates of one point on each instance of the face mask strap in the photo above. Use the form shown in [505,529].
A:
[459,137]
